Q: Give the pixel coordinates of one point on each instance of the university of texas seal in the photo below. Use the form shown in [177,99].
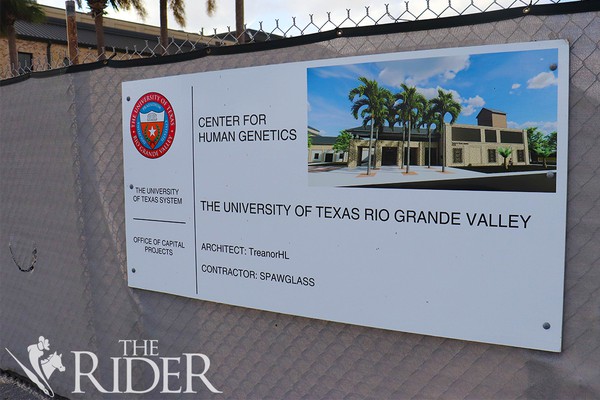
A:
[152,125]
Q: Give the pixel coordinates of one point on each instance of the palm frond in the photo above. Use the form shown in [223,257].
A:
[178,9]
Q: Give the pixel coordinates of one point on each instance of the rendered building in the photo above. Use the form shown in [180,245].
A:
[465,145]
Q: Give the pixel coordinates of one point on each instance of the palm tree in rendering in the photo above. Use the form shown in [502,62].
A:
[370,104]
[12,11]
[442,105]
[505,152]
[428,118]
[392,117]
[98,9]
[412,104]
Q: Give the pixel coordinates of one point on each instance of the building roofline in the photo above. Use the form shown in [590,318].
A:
[324,140]
[119,36]
[490,110]
[86,18]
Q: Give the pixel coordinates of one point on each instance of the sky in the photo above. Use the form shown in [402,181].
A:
[268,11]
[521,84]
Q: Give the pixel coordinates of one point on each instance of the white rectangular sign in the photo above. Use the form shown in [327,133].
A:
[422,192]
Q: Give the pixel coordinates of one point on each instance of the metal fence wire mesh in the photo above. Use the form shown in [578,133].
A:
[61,194]
[399,12]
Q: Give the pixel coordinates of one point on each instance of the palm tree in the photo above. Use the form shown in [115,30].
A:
[428,118]
[178,9]
[442,105]
[240,31]
[412,104]
[371,103]
[10,12]
[98,9]
[505,152]
[392,117]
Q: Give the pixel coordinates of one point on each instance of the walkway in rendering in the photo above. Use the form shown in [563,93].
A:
[421,177]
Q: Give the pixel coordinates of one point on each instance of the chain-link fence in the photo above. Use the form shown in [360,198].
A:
[401,12]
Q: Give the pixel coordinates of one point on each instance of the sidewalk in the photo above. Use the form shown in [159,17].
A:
[421,177]
[388,174]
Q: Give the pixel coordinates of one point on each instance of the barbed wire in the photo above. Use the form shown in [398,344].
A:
[407,12]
